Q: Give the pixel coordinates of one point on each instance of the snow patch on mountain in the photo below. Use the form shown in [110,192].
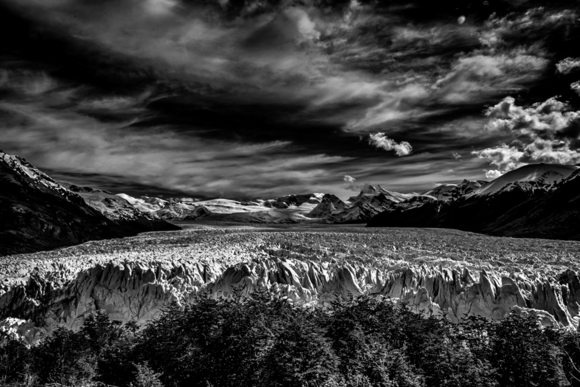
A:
[447,192]
[544,174]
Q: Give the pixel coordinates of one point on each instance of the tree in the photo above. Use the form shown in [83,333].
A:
[146,377]
[524,354]
[14,359]
[64,358]
[300,356]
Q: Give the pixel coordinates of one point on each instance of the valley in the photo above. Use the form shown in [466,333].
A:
[133,257]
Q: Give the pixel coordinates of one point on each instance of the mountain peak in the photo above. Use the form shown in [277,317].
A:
[542,173]
[38,213]
[369,189]
[447,192]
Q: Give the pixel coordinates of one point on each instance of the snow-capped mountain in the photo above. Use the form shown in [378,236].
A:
[289,208]
[542,174]
[121,211]
[540,200]
[447,192]
[370,190]
[312,207]
[329,205]
[38,213]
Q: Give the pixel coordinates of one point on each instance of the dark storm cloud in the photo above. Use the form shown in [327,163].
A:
[259,98]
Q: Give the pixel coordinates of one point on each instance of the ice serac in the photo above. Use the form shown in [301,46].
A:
[139,291]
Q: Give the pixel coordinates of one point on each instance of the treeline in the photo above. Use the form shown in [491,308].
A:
[264,341]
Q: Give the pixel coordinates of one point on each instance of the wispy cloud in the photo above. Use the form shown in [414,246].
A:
[260,97]
[68,140]
[159,156]
[479,76]
[300,54]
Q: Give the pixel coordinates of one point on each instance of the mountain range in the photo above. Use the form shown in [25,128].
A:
[534,201]
[39,213]
[304,208]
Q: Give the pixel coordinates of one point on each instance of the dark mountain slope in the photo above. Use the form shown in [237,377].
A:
[126,217]
[37,213]
[536,209]
[553,215]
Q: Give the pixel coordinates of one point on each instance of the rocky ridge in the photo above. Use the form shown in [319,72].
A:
[286,209]
[448,192]
[329,205]
[362,209]
[121,212]
[545,175]
[306,208]
[39,213]
[371,190]
[545,206]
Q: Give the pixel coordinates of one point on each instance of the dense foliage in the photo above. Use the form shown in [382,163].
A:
[264,341]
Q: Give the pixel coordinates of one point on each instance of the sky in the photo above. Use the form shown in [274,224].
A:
[264,98]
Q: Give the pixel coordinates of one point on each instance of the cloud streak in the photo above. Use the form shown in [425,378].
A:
[69,141]
[256,98]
